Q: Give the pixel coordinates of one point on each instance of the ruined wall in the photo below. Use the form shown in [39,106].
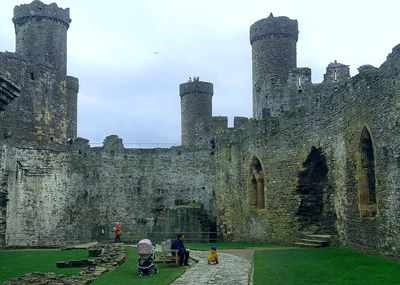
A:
[74,196]
[39,114]
[331,119]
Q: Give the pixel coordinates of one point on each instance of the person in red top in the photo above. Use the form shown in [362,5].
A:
[118,232]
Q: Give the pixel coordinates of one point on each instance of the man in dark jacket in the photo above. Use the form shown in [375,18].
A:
[183,252]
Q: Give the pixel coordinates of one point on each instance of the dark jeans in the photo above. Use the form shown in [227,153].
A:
[118,239]
[183,257]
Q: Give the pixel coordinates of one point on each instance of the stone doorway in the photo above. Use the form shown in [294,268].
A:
[315,212]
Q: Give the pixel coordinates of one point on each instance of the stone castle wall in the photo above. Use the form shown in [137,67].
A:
[300,166]
[332,122]
[45,112]
[74,196]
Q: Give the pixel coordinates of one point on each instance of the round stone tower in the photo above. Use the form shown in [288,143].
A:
[273,42]
[41,34]
[196,112]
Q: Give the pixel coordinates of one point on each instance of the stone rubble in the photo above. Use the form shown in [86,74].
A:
[113,255]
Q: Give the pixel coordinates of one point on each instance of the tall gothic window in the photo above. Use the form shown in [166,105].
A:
[366,176]
[256,185]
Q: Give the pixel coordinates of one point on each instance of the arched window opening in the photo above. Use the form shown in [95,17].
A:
[256,185]
[366,176]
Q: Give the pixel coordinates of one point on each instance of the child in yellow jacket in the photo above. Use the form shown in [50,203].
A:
[213,256]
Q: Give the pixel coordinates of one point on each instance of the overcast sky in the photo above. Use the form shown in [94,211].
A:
[130,56]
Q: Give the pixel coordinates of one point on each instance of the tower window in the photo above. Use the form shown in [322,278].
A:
[32,76]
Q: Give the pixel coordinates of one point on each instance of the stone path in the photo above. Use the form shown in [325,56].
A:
[231,270]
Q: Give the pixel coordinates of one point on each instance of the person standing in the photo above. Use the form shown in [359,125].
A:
[118,232]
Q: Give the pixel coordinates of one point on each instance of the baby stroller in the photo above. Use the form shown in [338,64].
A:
[146,262]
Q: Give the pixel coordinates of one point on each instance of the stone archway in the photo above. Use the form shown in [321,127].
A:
[366,188]
[256,185]
[314,213]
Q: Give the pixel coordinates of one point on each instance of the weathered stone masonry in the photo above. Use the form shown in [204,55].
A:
[315,158]
[86,192]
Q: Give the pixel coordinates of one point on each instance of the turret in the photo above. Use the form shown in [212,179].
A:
[273,42]
[72,87]
[336,72]
[45,111]
[41,34]
[196,112]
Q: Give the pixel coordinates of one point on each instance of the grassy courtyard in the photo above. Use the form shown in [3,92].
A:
[21,262]
[127,273]
[271,266]
[323,266]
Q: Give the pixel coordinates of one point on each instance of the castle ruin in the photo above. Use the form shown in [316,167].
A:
[316,158]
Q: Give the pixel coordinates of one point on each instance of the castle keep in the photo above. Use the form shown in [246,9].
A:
[315,158]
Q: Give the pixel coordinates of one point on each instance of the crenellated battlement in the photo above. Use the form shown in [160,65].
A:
[73,83]
[38,10]
[274,27]
[195,87]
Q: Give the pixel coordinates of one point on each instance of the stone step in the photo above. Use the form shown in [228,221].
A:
[318,236]
[320,242]
[307,244]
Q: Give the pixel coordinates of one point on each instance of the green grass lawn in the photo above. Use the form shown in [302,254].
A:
[228,245]
[127,273]
[323,266]
[283,266]
[18,263]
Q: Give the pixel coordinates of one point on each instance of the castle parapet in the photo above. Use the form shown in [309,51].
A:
[113,143]
[300,78]
[73,83]
[37,9]
[196,87]
[336,72]
[273,28]
[219,123]
[240,122]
